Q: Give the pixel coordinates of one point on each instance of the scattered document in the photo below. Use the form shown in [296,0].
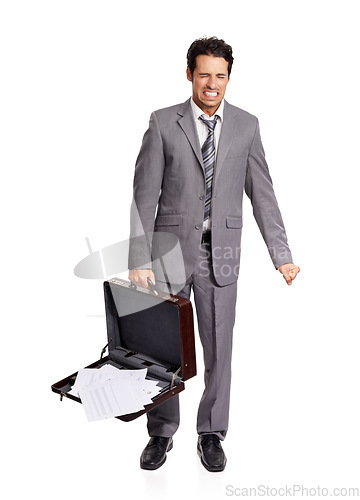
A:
[110,392]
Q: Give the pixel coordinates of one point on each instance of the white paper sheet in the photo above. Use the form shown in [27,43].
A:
[110,392]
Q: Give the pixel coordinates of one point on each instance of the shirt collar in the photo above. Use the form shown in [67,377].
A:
[198,112]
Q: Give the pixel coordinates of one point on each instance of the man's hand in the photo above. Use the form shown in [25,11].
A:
[289,272]
[139,277]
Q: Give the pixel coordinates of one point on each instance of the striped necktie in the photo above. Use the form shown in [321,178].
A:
[208,154]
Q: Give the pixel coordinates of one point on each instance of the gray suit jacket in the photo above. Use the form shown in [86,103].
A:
[169,176]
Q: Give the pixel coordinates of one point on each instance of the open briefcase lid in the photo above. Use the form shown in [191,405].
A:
[149,329]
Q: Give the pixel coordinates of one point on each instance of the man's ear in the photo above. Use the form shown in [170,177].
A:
[188,75]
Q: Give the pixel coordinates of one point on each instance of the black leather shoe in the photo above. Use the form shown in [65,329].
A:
[211,454]
[154,453]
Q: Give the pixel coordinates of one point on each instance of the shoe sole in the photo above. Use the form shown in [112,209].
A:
[154,467]
[210,469]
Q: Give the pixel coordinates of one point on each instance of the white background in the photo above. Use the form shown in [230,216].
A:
[79,81]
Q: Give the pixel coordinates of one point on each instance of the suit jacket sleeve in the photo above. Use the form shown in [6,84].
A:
[259,188]
[149,171]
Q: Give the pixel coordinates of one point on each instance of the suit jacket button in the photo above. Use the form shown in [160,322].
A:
[197,227]
[201,197]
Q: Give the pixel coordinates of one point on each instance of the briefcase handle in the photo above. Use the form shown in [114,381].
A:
[151,286]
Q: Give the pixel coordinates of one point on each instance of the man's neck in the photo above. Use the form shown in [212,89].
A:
[208,111]
[198,111]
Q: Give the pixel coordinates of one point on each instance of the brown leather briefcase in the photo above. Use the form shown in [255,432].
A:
[146,328]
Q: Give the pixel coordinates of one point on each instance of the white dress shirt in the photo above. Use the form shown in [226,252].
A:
[203,131]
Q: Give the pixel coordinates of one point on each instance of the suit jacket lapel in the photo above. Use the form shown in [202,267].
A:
[228,128]
[187,123]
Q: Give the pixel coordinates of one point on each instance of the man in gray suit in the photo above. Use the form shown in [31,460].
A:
[195,162]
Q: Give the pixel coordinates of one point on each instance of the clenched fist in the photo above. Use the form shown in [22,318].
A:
[289,272]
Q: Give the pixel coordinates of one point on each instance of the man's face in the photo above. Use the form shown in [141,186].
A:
[209,81]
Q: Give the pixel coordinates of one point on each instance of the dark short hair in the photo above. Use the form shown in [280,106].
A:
[209,46]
